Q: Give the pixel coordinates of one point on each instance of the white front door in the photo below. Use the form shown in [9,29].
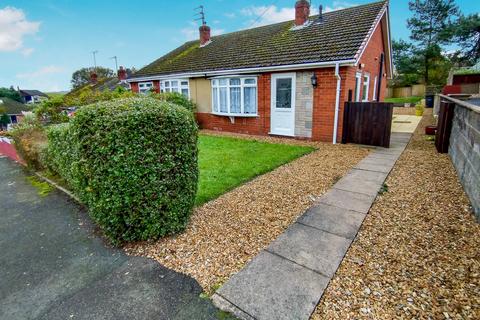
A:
[282,118]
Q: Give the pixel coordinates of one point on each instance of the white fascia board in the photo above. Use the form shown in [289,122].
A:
[313,65]
[390,53]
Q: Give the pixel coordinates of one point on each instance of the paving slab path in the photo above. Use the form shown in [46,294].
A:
[287,279]
[54,265]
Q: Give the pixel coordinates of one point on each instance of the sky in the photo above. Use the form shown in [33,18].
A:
[42,42]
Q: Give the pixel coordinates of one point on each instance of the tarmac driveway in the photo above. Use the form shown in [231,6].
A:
[54,265]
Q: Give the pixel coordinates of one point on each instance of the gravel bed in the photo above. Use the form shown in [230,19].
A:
[225,233]
[417,254]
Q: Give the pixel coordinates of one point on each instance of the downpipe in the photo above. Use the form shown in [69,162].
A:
[337,102]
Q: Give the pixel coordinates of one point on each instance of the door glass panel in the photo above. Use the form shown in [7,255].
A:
[284,93]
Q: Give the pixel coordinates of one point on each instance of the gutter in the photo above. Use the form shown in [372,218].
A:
[205,74]
[337,102]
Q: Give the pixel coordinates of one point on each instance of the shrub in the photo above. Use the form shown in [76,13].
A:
[86,96]
[133,162]
[176,98]
[30,141]
[51,111]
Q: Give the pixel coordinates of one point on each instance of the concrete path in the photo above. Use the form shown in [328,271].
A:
[53,265]
[405,123]
[287,279]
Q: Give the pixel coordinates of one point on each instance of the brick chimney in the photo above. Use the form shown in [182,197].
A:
[122,74]
[93,77]
[204,34]
[302,12]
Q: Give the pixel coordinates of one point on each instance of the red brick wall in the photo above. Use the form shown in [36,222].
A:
[324,104]
[324,95]
[134,86]
[156,85]
[258,125]
[371,59]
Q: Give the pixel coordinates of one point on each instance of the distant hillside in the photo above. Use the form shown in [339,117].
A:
[56,94]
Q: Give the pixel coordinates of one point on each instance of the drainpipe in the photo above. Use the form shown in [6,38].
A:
[337,102]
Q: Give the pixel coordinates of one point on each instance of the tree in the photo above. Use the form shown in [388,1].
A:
[467,35]
[4,119]
[10,93]
[431,27]
[82,76]
[407,63]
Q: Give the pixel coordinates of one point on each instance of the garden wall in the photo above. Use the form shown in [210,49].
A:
[7,149]
[464,150]
[416,90]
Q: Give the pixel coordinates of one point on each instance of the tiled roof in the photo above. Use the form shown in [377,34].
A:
[13,107]
[338,37]
[102,84]
[24,93]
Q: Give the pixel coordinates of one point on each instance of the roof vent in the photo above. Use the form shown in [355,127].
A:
[320,14]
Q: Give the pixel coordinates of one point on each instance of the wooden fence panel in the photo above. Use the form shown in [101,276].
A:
[444,126]
[368,123]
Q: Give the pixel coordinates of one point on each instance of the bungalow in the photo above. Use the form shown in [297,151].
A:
[289,79]
[14,111]
[103,84]
[32,96]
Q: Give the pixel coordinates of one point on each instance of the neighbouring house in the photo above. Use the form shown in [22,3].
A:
[13,109]
[103,84]
[289,79]
[32,96]
[464,81]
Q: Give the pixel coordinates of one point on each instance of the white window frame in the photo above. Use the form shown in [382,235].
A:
[215,84]
[365,86]
[166,85]
[146,89]
[358,86]
[374,97]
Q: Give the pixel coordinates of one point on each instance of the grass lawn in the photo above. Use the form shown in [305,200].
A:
[227,162]
[404,100]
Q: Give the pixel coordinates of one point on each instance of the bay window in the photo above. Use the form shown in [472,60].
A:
[235,96]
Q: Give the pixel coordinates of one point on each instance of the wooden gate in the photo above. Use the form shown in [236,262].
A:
[367,123]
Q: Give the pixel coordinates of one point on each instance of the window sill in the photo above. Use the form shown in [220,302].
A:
[236,115]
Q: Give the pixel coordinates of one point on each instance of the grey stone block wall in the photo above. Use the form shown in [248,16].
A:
[303,105]
[464,151]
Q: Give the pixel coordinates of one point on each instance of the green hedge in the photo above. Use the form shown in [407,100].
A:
[176,98]
[133,162]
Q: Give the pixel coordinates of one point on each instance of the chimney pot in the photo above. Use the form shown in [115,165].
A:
[302,12]
[122,74]
[204,34]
